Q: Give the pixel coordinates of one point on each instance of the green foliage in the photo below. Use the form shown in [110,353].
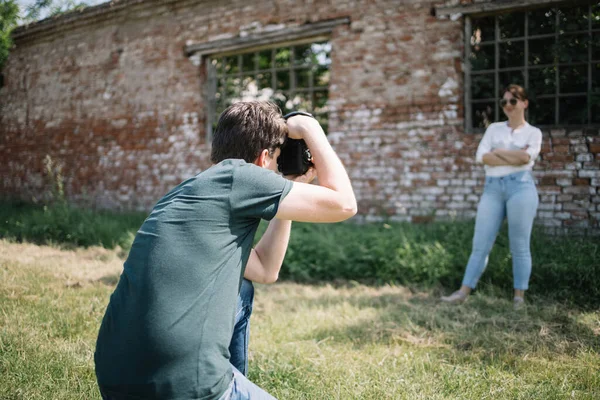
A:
[51,8]
[562,50]
[436,254]
[268,75]
[56,193]
[9,17]
[54,221]
[9,13]
[431,255]
[66,225]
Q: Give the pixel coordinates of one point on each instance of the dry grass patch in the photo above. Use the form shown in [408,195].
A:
[76,267]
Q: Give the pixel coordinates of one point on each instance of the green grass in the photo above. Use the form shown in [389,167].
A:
[68,226]
[565,268]
[319,341]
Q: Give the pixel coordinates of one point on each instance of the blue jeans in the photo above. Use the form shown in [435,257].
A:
[513,197]
[238,348]
[241,388]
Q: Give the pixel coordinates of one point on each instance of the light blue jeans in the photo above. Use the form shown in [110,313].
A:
[240,387]
[513,197]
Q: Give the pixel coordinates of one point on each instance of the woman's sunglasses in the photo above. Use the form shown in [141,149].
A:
[504,102]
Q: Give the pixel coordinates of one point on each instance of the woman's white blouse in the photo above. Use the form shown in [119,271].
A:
[501,136]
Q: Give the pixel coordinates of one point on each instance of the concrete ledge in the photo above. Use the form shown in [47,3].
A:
[494,6]
[281,36]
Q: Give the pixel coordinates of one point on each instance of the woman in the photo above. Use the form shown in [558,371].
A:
[508,150]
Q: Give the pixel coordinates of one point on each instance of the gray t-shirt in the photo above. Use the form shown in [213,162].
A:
[167,328]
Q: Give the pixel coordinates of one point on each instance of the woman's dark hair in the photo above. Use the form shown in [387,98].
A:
[517,91]
[247,128]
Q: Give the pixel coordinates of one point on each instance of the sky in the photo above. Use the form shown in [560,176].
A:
[23,4]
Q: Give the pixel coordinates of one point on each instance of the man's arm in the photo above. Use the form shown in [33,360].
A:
[267,256]
[333,199]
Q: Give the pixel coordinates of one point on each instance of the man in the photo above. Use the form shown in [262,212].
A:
[168,327]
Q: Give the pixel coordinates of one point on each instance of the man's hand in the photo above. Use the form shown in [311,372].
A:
[308,177]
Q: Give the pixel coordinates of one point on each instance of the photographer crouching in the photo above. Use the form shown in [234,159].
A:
[176,326]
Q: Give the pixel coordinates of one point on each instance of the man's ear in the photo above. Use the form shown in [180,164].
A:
[263,159]
[526,102]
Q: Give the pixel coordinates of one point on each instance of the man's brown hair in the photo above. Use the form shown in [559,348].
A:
[247,128]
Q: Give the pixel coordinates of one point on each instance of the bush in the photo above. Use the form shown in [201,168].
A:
[567,268]
[417,255]
[66,225]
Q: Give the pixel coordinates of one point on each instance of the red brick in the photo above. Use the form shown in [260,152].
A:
[558,157]
[560,149]
[547,181]
[422,219]
[581,181]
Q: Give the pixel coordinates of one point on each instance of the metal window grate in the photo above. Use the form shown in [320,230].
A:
[553,52]
[295,77]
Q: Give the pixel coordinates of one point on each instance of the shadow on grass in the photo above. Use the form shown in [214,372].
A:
[485,326]
[109,280]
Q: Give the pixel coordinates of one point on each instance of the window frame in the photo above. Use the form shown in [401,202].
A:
[201,53]
[525,68]
[213,76]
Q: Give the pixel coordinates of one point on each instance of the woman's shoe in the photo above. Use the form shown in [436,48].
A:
[457,297]
[518,303]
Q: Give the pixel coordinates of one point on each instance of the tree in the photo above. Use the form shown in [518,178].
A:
[9,15]
[51,8]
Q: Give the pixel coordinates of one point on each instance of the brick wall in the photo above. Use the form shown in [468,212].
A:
[568,175]
[110,95]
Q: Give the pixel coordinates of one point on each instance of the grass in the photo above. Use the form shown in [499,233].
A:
[68,226]
[428,255]
[308,341]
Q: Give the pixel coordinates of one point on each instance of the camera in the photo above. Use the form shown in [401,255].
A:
[295,157]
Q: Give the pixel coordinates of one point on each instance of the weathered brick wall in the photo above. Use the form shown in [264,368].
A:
[568,174]
[113,101]
[113,98]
